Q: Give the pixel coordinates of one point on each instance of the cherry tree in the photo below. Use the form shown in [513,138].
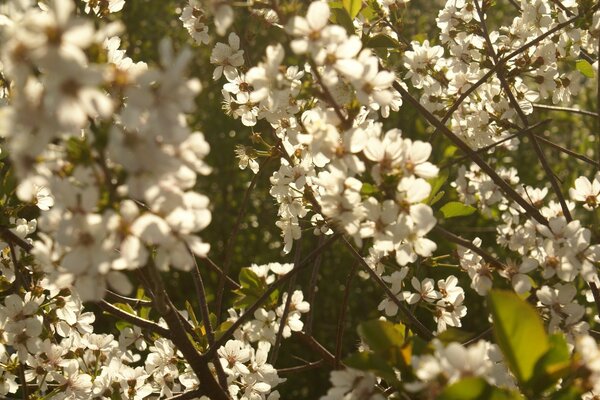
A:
[450,151]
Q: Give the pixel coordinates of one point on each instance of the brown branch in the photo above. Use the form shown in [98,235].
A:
[469,245]
[515,104]
[134,319]
[408,318]
[210,387]
[301,368]
[342,316]
[565,109]
[231,241]
[249,312]
[286,307]
[317,348]
[473,155]
[569,152]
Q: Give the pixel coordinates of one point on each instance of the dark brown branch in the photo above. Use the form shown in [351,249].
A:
[135,303]
[231,241]
[515,104]
[249,312]
[301,368]
[286,307]
[469,245]
[565,109]
[209,386]
[342,316]
[10,237]
[473,155]
[312,287]
[407,317]
[569,152]
[134,319]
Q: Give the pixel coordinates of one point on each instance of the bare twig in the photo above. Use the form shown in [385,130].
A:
[565,109]
[286,308]
[469,245]
[342,316]
[569,152]
[249,312]
[312,287]
[473,155]
[134,319]
[231,241]
[407,317]
[210,335]
[135,303]
[301,368]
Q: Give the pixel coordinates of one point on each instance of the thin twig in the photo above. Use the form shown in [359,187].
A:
[329,97]
[135,303]
[189,395]
[409,318]
[499,142]
[286,308]
[473,155]
[210,335]
[469,245]
[312,287]
[565,109]
[479,336]
[569,152]
[231,241]
[301,368]
[249,312]
[317,348]
[341,322]
[134,319]
[515,104]
[212,265]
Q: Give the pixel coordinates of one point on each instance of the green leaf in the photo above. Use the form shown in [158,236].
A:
[386,340]
[366,361]
[368,189]
[192,314]
[340,16]
[381,40]
[552,366]
[454,335]
[249,279]
[475,389]
[438,196]
[585,68]
[456,209]
[571,392]
[436,185]
[519,332]
[353,7]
